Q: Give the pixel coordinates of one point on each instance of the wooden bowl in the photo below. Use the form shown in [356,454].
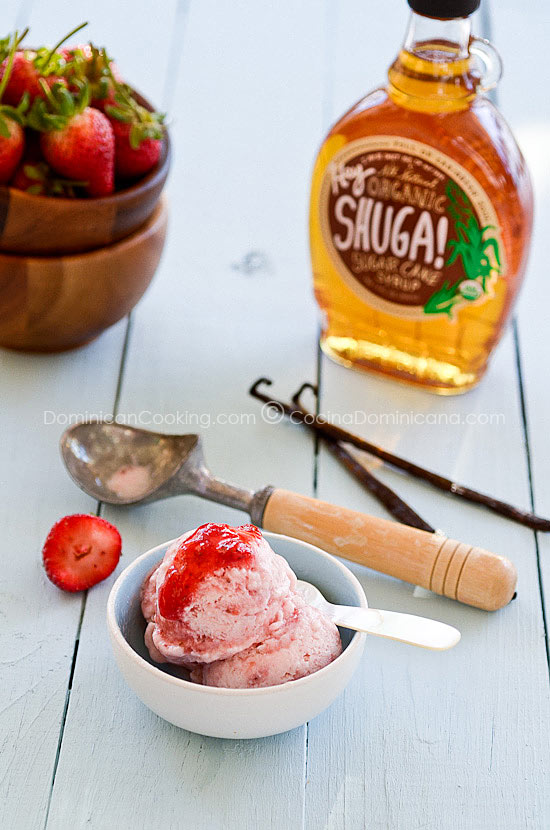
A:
[54,303]
[51,225]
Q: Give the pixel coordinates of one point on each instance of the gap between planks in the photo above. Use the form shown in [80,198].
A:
[487,29]
[485,23]
[99,506]
[178,32]
[527,445]
[331,13]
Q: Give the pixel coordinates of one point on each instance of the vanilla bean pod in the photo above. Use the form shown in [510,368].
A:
[324,427]
[393,503]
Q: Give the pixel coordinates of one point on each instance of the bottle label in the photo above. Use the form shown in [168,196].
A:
[409,230]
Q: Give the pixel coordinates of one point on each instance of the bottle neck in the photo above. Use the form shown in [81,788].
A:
[438,40]
[433,72]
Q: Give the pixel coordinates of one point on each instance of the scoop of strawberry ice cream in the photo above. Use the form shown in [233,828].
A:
[217,591]
[308,642]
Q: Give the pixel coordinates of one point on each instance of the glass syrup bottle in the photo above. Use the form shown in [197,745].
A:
[421,212]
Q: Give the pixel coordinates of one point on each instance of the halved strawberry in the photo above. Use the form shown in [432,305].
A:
[80,551]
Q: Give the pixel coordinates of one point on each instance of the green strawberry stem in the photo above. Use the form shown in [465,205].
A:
[11,56]
[144,124]
[71,182]
[21,37]
[51,53]
[15,113]
[5,44]
[40,170]
[49,94]
[58,106]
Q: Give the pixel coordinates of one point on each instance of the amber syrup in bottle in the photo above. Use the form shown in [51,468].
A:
[421,212]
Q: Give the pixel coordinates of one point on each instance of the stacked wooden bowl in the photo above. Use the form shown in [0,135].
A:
[70,268]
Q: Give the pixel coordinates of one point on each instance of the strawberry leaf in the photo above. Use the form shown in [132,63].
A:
[119,113]
[5,47]
[145,124]
[16,113]
[59,106]
[135,136]
[65,101]
[32,171]
[14,40]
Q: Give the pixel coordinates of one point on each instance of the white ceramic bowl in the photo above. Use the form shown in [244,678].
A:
[234,713]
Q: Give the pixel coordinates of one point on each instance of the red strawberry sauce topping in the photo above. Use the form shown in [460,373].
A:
[209,549]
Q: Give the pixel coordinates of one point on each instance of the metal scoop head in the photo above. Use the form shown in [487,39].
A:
[117,464]
[123,465]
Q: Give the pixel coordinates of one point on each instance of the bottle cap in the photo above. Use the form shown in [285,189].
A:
[444,9]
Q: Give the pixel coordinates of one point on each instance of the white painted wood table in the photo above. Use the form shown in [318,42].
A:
[457,740]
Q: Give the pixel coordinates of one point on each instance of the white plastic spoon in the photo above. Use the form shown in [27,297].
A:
[407,628]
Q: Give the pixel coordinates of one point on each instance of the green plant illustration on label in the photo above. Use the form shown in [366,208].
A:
[474,249]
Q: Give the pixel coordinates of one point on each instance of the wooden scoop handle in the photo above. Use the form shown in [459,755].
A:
[456,570]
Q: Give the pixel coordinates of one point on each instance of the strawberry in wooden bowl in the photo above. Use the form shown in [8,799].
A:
[83,162]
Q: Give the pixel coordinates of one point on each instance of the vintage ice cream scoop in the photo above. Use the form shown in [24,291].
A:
[122,465]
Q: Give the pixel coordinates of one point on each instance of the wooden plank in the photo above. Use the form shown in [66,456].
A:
[440,738]
[41,622]
[232,302]
[523,41]
[455,740]
[38,630]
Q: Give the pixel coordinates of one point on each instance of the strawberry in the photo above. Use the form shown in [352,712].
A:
[12,143]
[77,140]
[12,138]
[90,63]
[132,161]
[69,52]
[138,134]
[30,178]
[80,551]
[30,66]
[38,179]
[25,78]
